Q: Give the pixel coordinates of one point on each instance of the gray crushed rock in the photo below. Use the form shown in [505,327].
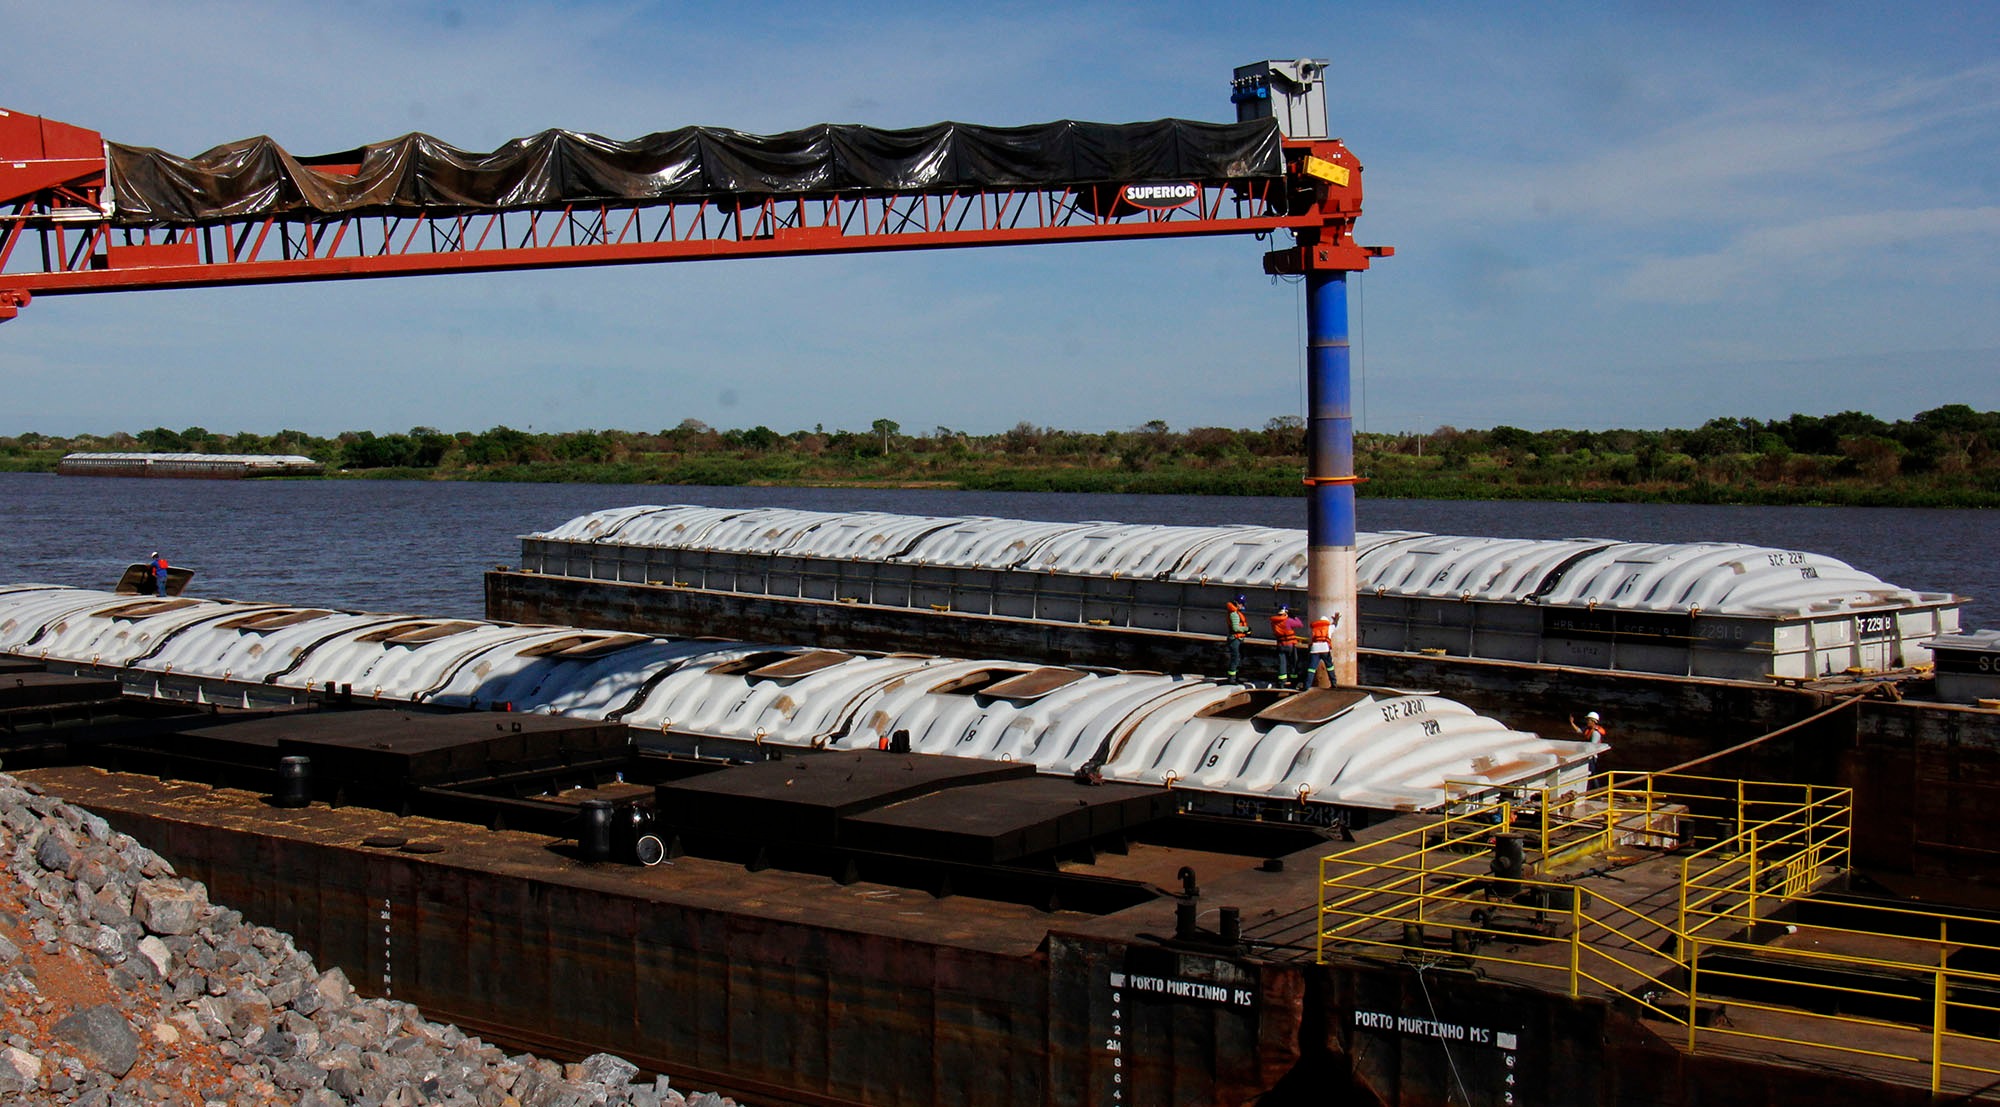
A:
[282,1029]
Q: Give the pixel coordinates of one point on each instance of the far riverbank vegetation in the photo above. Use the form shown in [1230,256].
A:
[1946,457]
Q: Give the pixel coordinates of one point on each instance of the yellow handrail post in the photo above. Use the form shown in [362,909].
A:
[1548,798]
[1575,938]
[1681,926]
[1754,872]
[1694,991]
[1742,816]
[1937,1016]
[1319,952]
[1424,868]
[1813,830]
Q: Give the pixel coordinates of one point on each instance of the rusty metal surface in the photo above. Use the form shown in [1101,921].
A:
[1005,821]
[27,688]
[804,797]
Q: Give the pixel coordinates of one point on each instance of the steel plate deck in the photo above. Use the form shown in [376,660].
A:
[804,797]
[32,688]
[379,746]
[1002,821]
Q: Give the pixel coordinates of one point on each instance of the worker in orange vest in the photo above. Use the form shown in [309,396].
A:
[1239,629]
[1322,649]
[1288,630]
[1592,728]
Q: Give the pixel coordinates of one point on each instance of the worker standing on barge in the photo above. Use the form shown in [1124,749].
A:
[1321,670]
[1288,630]
[159,566]
[1239,629]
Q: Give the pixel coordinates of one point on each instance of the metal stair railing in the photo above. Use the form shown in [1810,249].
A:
[1767,845]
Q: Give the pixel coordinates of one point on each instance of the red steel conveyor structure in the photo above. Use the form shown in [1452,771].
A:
[59,234]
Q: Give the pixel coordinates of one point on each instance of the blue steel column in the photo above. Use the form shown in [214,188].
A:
[1330,467]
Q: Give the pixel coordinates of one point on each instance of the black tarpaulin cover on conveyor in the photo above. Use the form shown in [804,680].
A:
[418,173]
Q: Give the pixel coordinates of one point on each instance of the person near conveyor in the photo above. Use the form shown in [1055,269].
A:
[1239,629]
[159,567]
[1321,671]
[1290,634]
[1592,728]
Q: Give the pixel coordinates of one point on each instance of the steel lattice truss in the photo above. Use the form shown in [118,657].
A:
[78,255]
[59,233]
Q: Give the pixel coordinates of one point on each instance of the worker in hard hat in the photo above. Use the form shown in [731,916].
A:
[1239,629]
[1321,670]
[159,567]
[1290,634]
[1592,728]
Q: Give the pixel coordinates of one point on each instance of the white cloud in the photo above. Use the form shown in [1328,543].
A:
[1770,262]
[1749,156]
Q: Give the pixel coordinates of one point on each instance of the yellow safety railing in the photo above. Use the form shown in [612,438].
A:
[1744,849]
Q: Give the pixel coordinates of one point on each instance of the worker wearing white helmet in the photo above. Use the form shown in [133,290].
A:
[1592,728]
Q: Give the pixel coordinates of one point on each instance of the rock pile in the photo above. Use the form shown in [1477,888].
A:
[123,986]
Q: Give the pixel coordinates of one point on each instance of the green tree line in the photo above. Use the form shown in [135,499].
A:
[1947,456]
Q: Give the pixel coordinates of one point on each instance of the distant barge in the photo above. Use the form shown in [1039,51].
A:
[187,466]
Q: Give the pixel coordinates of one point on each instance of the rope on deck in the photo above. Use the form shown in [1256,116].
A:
[1684,766]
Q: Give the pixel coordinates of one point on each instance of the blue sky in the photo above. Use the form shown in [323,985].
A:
[1638,215]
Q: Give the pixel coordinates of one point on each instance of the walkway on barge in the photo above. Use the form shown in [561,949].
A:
[1719,910]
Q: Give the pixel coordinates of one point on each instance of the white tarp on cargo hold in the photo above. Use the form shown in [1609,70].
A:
[1380,749]
[1714,578]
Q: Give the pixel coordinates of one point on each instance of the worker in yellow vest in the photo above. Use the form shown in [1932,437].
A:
[1239,629]
[1322,649]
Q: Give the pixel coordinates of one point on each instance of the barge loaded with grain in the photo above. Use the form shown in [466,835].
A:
[1125,593]
[1324,756]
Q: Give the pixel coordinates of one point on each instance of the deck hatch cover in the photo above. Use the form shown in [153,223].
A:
[583,647]
[143,609]
[1033,686]
[274,620]
[417,633]
[799,665]
[1312,707]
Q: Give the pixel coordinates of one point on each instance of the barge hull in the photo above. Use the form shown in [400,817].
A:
[725,982]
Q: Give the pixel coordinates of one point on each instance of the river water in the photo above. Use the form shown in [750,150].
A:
[421,546]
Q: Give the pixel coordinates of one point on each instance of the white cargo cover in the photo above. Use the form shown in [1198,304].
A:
[1722,579]
[1381,749]
[1698,609]
[980,543]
